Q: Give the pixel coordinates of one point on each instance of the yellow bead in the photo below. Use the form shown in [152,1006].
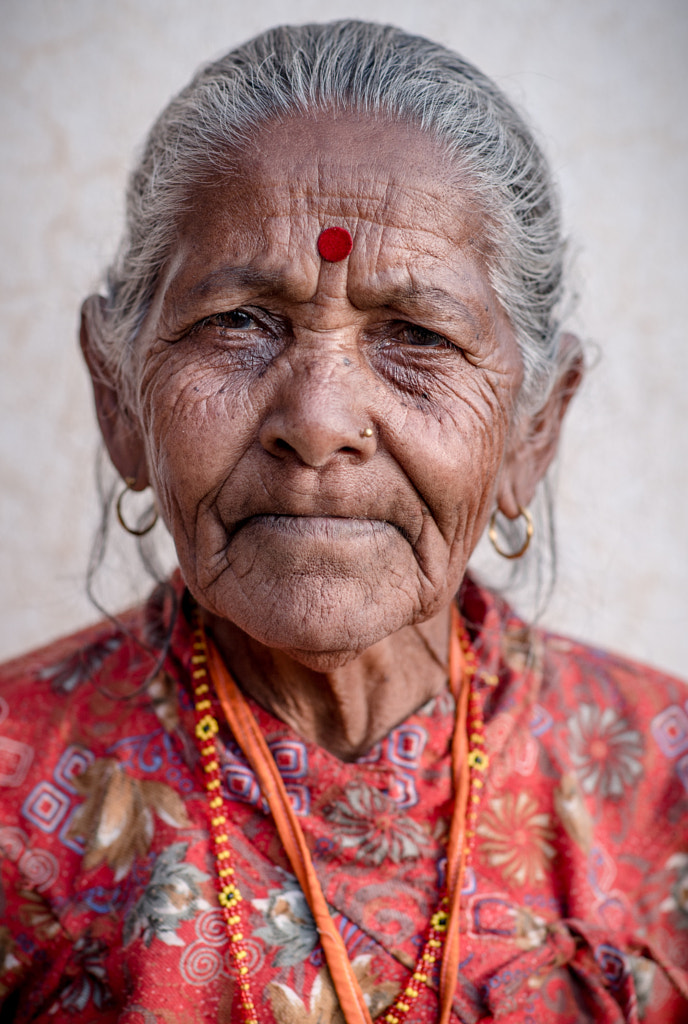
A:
[237,937]
[213,784]
[403,1007]
[207,727]
[199,673]
[411,993]
[241,954]
[243,970]
[478,759]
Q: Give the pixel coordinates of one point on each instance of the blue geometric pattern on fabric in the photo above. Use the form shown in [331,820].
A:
[541,720]
[300,797]
[405,745]
[45,806]
[241,783]
[74,761]
[290,757]
[403,790]
[71,842]
[682,771]
[670,730]
[146,753]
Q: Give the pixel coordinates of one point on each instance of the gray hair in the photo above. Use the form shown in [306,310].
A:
[376,70]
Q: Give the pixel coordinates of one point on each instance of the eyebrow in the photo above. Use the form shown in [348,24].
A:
[239,276]
[429,299]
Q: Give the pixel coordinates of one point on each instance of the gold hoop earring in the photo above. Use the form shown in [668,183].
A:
[129,483]
[492,534]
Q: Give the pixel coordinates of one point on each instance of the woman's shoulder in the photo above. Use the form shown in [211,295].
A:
[610,678]
[61,707]
[83,691]
[564,662]
[81,652]
[597,708]
[50,685]
[120,649]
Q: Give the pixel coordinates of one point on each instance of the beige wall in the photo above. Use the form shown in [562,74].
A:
[605,81]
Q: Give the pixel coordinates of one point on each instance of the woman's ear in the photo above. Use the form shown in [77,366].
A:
[535,439]
[119,429]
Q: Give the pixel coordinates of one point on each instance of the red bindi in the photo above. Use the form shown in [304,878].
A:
[335,244]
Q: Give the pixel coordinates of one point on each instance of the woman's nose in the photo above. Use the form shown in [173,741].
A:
[320,414]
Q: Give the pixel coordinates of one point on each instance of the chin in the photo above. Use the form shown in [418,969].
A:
[322,624]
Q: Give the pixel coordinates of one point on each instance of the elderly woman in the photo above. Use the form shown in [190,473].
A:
[323,775]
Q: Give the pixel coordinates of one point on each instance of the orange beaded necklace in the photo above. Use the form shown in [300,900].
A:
[469,762]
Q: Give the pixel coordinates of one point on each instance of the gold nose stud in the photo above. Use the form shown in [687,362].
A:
[368,432]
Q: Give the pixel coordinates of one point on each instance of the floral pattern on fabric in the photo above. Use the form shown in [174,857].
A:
[321,1005]
[676,903]
[605,752]
[575,902]
[116,819]
[171,896]
[517,837]
[289,924]
[367,821]
[90,988]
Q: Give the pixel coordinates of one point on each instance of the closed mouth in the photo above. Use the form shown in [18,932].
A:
[335,528]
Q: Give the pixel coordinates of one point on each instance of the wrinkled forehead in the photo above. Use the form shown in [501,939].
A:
[333,142]
[391,184]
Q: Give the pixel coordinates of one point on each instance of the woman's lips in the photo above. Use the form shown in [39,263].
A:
[307,527]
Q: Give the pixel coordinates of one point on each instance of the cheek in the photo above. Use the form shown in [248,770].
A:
[196,430]
[456,469]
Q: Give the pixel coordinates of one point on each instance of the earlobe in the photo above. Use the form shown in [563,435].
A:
[120,432]
[535,439]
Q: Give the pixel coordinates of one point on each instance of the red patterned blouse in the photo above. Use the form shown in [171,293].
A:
[575,904]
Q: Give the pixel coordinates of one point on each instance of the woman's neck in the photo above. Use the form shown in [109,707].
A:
[349,708]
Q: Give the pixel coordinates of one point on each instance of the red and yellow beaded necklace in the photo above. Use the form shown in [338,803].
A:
[469,762]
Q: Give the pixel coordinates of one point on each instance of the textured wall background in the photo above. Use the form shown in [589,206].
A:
[605,82]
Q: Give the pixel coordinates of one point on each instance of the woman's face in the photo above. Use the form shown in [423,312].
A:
[262,366]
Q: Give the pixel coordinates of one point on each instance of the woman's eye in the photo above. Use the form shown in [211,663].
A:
[414,335]
[235,319]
